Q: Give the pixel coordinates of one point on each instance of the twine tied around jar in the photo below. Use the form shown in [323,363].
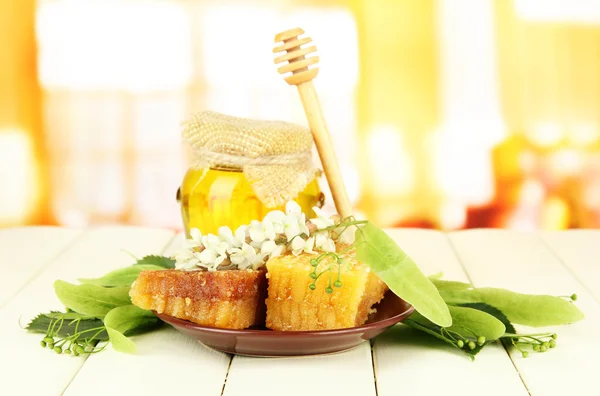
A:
[275,156]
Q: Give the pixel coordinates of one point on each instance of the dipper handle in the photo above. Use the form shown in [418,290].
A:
[301,76]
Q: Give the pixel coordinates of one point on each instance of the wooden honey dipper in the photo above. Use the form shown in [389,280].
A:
[302,78]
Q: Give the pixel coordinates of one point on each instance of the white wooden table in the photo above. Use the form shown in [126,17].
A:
[559,263]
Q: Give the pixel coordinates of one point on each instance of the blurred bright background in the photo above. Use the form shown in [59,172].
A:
[446,114]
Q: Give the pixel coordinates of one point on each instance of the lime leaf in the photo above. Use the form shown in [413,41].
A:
[495,312]
[438,275]
[379,251]
[91,300]
[419,322]
[119,342]
[71,321]
[470,322]
[131,320]
[450,285]
[526,309]
[121,277]
[161,261]
[467,323]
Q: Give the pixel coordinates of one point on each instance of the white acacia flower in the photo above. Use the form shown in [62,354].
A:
[227,236]
[309,245]
[324,243]
[213,242]
[291,227]
[242,233]
[277,218]
[300,245]
[195,240]
[292,208]
[260,231]
[278,251]
[271,249]
[302,225]
[185,259]
[210,257]
[297,245]
[184,255]
[321,221]
[245,256]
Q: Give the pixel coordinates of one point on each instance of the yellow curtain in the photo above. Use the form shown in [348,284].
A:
[23,199]
[549,72]
[397,100]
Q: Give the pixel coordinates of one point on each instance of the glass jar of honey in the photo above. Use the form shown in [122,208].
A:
[221,196]
[242,169]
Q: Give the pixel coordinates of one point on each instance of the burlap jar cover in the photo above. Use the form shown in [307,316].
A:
[275,156]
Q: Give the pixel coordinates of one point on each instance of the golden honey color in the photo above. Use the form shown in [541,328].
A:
[215,197]
[293,306]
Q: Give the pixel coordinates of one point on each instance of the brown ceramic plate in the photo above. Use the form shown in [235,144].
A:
[270,343]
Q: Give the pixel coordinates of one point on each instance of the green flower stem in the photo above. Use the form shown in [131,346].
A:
[345,224]
[507,335]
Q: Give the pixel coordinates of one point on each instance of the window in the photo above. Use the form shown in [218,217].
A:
[119,78]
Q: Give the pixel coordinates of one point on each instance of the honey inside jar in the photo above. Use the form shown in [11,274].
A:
[221,196]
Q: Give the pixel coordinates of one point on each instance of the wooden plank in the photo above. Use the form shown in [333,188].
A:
[522,262]
[409,362]
[579,250]
[25,251]
[34,370]
[165,359]
[346,373]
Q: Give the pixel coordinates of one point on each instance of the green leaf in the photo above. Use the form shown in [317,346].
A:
[526,309]
[121,277]
[131,320]
[472,323]
[450,285]
[495,312]
[161,261]
[91,300]
[375,248]
[71,321]
[468,323]
[119,342]
[438,275]
[419,322]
